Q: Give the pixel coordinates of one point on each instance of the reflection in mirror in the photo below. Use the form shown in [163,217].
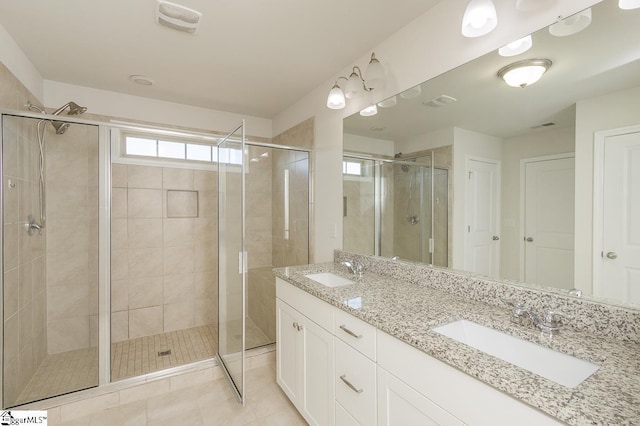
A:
[537,184]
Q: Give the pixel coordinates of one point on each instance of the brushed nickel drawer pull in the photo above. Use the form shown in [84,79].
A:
[348,383]
[346,330]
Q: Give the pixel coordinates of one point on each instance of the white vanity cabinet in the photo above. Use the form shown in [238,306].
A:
[339,370]
[305,355]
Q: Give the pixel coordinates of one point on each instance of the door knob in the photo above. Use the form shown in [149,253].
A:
[612,255]
[528,239]
[496,238]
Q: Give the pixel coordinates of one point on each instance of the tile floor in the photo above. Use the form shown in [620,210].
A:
[139,356]
[204,404]
[62,373]
[71,371]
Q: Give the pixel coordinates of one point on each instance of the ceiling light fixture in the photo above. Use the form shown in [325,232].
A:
[389,102]
[356,85]
[517,47]
[524,73]
[369,111]
[479,18]
[411,93]
[571,25]
[629,4]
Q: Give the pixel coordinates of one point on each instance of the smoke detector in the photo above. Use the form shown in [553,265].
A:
[177,17]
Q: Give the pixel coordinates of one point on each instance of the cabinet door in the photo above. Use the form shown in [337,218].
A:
[288,352]
[317,374]
[401,405]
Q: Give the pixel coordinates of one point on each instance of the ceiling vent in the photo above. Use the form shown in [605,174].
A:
[543,125]
[177,17]
[440,101]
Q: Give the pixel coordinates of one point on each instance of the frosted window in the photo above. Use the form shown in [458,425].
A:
[351,168]
[171,149]
[140,146]
[198,152]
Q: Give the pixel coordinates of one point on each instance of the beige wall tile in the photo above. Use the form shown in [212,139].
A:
[68,235]
[206,284]
[206,311]
[145,321]
[179,260]
[66,202]
[12,199]
[119,326]
[145,233]
[119,234]
[178,288]
[119,295]
[119,264]
[119,203]
[68,334]
[119,175]
[205,180]
[93,330]
[173,178]
[206,257]
[11,337]
[67,302]
[178,232]
[144,203]
[145,263]
[208,204]
[182,204]
[64,267]
[11,246]
[145,292]
[144,177]
[179,315]
[11,292]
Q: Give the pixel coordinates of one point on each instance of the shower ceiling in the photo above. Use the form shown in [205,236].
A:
[253,57]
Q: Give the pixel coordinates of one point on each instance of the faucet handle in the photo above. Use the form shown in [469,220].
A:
[550,317]
[518,313]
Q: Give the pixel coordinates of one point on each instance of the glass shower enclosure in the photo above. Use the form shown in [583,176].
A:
[397,207]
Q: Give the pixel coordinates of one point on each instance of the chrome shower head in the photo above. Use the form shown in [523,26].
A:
[60,127]
[74,109]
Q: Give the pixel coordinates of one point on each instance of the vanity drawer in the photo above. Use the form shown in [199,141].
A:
[355,383]
[343,418]
[355,332]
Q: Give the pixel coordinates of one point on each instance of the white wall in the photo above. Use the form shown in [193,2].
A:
[17,62]
[467,144]
[429,140]
[536,144]
[362,144]
[425,48]
[615,110]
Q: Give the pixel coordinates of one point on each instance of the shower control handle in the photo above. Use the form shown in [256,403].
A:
[495,238]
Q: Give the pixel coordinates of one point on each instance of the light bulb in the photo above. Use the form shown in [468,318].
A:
[629,4]
[369,111]
[479,18]
[336,100]
[353,87]
[517,47]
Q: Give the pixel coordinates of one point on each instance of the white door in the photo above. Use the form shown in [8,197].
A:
[483,215]
[548,233]
[621,219]
[401,405]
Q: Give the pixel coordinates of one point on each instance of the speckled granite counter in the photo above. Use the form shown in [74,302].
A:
[409,310]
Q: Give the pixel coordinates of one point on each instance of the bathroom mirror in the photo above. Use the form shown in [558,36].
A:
[464,171]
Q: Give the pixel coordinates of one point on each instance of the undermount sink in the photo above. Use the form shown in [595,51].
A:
[561,368]
[329,279]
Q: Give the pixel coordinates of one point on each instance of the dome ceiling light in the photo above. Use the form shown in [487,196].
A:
[524,73]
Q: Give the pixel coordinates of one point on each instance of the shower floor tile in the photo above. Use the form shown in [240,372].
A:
[62,373]
[138,356]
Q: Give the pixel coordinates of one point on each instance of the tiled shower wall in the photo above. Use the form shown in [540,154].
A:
[25,296]
[72,238]
[163,269]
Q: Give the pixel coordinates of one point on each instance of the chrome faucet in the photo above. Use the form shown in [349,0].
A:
[548,325]
[357,268]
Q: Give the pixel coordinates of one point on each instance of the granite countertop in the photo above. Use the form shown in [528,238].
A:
[408,311]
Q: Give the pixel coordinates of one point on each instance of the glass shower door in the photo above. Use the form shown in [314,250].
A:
[232,257]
